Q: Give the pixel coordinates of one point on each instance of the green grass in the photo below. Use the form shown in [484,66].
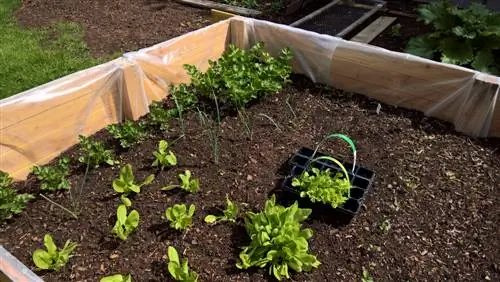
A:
[31,57]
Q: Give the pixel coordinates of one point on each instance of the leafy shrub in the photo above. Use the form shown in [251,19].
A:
[94,153]
[188,184]
[53,177]
[460,36]
[230,213]
[117,278]
[162,157]
[10,202]
[180,217]
[179,271]
[53,259]
[128,133]
[125,223]
[277,240]
[321,186]
[125,182]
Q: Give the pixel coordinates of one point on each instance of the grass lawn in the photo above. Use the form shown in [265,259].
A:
[31,57]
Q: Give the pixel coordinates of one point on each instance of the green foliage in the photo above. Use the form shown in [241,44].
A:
[159,116]
[230,213]
[179,271]
[10,202]
[188,184]
[184,96]
[366,276]
[385,226]
[125,223]
[321,186]
[277,240]
[117,278]
[179,216]
[464,37]
[94,153]
[53,177]
[125,182]
[52,258]
[396,30]
[162,157]
[128,133]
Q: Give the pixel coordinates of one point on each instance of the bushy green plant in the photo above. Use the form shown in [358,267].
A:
[230,213]
[94,153]
[117,278]
[469,36]
[125,223]
[188,184]
[125,183]
[52,258]
[159,116]
[179,216]
[128,133]
[277,240]
[11,202]
[179,270]
[164,158]
[321,186]
[53,177]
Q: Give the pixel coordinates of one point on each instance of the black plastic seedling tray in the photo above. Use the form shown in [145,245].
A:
[361,181]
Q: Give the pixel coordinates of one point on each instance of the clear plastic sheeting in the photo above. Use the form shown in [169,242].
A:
[38,124]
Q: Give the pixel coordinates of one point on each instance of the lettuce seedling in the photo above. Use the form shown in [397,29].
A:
[159,116]
[277,240]
[117,278]
[53,259]
[125,224]
[230,213]
[164,158]
[187,183]
[180,217]
[128,133]
[179,271]
[11,202]
[94,153]
[125,182]
[321,186]
[53,177]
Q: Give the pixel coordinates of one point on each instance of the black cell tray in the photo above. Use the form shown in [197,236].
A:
[361,182]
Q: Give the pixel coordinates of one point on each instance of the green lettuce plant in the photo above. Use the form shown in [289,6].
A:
[11,202]
[179,270]
[125,223]
[52,258]
[128,133]
[278,240]
[93,152]
[230,213]
[164,158]
[469,36]
[159,116]
[188,184]
[179,216]
[53,177]
[117,278]
[125,183]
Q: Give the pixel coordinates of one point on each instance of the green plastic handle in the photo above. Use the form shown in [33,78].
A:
[343,137]
[335,161]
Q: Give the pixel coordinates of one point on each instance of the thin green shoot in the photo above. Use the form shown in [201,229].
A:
[271,120]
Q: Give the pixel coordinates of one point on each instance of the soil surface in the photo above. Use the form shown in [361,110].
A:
[436,189]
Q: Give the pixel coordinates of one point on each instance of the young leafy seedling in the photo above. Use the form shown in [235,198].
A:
[53,177]
[159,116]
[128,133]
[11,202]
[385,226]
[188,184]
[163,157]
[179,216]
[125,182]
[366,277]
[230,213]
[94,153]
[117,278]
[52,258]
[125,224]
[179,271]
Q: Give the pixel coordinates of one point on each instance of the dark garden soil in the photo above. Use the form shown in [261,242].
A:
[438,190]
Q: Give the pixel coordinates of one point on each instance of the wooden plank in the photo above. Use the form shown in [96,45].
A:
[373,30]
[223,7]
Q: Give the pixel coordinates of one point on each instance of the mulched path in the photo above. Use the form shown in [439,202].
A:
[438,190]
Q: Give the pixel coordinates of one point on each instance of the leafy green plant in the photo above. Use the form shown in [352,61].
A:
[159,116]
[179,270]
[277,240]
[179,216]
[53,177]
[94,153]
[188,184]
[125,223]
[125,182]
[128,133]
[366,277]
[321,186]
[464,37]
[396,30]
[385,226]
[117,278]
[162,157]
[52,258]
[11,202]
[230,213]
